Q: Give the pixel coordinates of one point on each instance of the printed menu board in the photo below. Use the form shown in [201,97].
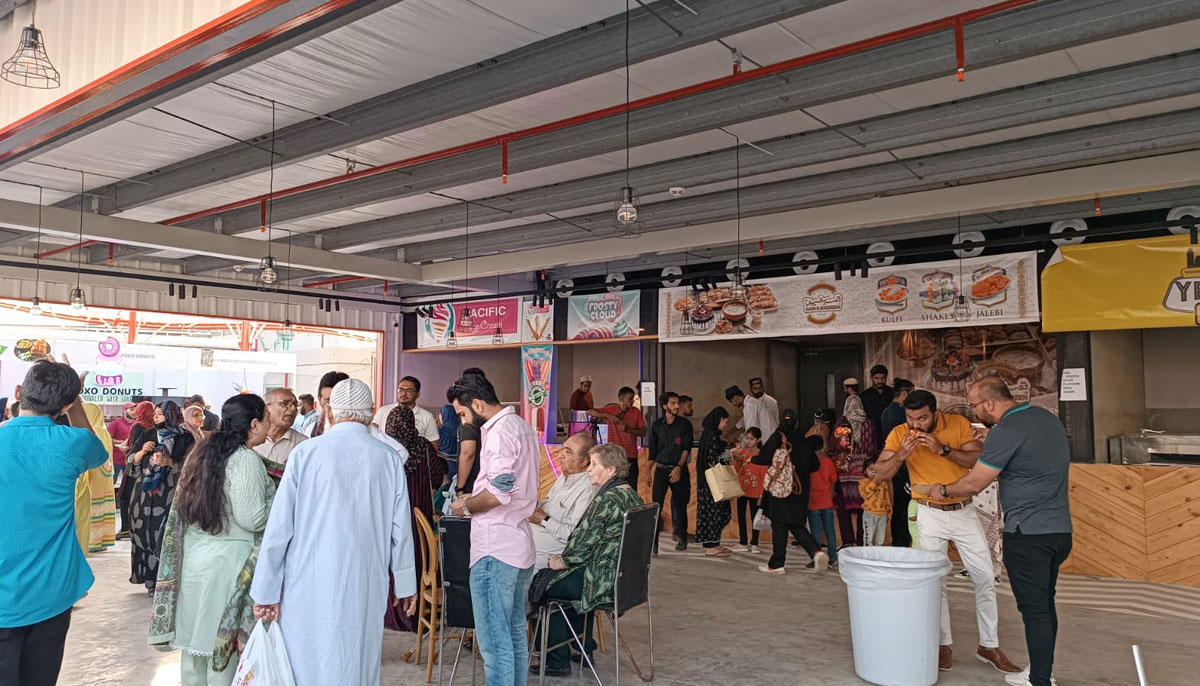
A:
[995,290]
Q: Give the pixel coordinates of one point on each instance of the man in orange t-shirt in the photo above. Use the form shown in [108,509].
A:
[938,449]
[625,425]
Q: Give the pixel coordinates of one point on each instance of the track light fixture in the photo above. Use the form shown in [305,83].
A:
[837,271]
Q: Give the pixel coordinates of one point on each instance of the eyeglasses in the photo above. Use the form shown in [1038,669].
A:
[406,391]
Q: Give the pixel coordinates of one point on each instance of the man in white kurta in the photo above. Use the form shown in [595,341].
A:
[340,521]
[568,500]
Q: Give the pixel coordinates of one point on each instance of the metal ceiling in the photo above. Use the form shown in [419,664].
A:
[1050,84]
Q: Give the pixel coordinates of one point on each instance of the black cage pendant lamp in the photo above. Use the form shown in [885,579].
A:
[626,210]
[30,65]
[268,269]
[35,305]
[78,302]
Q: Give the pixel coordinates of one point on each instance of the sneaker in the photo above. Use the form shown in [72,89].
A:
[996,658]
[964,574]
[755,550]
[833,564]
[779,571]
[749,549]
[821,561]
[1022,679]
[945,658]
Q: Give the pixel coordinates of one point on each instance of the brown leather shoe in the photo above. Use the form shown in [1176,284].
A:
[996,658]
[945,658]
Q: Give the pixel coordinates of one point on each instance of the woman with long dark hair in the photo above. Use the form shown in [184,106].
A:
[161,445]
[424,471]
[711,517]
[221,508]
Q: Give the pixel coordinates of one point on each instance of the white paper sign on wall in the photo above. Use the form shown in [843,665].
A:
[1074,384]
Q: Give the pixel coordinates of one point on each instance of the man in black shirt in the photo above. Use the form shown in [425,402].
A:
[893,416]
[876,398]
[670,448]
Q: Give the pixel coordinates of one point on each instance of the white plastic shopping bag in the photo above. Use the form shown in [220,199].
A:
[761,523]
[264,661]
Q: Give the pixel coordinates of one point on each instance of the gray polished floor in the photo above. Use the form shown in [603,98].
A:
[723,622]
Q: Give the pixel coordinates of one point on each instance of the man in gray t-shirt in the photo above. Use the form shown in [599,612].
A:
[1027,449]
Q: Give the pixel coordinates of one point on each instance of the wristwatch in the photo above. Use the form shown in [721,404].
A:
[466,510]
[946,450]
[944,495]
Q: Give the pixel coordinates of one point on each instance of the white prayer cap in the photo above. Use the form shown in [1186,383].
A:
[351,394]
[585,378]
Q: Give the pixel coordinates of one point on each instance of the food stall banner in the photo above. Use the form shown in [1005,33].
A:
[537,389]
[1135,284]
[475,323]
[996,290]
[604,315]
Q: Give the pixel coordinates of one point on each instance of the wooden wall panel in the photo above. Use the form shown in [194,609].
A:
[1135,522]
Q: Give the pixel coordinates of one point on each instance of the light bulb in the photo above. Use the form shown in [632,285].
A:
[286,334]
[627,213]
[498,338]
[464,324]
[35,305]
[962,311]
[267,273]
[77,300]
[451,341]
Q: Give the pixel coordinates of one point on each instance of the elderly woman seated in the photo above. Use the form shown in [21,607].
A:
[588,565]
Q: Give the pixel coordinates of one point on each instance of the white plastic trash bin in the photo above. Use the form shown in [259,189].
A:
[895,608]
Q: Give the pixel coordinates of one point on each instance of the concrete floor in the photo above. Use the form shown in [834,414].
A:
[721,621]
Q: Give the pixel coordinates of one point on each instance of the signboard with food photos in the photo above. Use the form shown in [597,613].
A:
[981,291]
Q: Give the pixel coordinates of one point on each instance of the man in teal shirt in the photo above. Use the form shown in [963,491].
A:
[42,570]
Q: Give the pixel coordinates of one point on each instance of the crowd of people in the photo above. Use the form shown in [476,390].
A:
[254,514]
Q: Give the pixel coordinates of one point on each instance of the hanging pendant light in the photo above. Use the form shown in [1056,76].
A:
[78,302]
[685,326]
[451,341]
[962,311]
[36,303]
[498,337]
[35,306]
[287,333]
[737,291]
[30,65]
[267,271]
[625,211]
[465,324]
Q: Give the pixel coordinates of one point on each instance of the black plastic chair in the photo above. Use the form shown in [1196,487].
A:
[631,588]
[454,557]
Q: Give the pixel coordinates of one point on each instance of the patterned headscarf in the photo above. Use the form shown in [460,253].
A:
[172,425]
[402,425]
[856,416]
[144,415]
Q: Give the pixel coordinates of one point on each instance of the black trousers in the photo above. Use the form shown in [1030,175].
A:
[743,504]
[633,474]
[901,538]
[1032,562]
[566,589]
[681,494]
[32,655]
[779,535]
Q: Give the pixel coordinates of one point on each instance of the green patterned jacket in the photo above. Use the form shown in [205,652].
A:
[595,544]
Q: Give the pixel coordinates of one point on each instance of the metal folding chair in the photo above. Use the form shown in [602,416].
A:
[457,615]
[631,588]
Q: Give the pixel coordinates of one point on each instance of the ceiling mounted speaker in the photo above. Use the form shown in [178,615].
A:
[564,287]
[617,281]
[1179,213]
[732,266]
[1070,231]
[973,242]
[881,246]
[804,262]
[671,271]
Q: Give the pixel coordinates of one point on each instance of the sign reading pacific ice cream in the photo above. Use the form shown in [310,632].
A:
[1135,284]
[476,323]
[982,291]
[604,315]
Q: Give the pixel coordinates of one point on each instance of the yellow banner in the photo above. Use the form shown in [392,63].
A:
[1136,284]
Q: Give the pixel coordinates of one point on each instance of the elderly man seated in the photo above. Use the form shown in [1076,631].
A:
[558,515]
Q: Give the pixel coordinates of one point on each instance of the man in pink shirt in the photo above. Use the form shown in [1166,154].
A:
[502,548]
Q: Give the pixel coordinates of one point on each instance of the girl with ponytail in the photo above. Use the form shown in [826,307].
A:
[210,545]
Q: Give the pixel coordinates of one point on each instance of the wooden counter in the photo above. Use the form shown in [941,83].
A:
[1135,522]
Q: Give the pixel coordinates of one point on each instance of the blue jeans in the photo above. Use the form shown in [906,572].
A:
[498,600]
[821,521]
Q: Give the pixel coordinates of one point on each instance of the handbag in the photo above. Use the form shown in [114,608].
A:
[762,522]
[723,483]
[265,660]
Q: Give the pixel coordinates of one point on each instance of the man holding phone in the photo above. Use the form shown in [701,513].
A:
[941,448]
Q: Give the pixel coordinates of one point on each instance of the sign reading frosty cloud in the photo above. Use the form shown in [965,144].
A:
[604,315]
